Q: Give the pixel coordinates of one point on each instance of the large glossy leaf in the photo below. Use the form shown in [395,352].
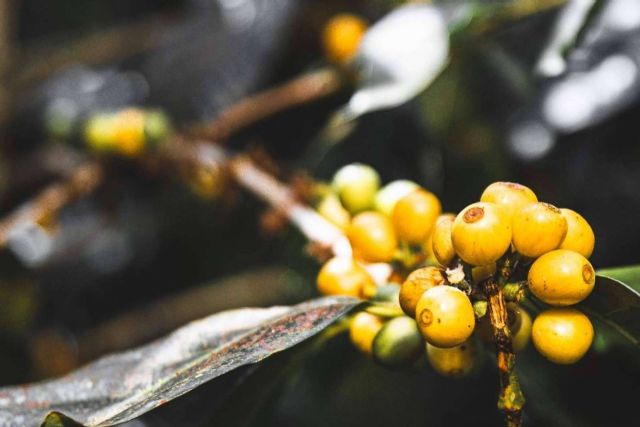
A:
[121,387]
[616,300]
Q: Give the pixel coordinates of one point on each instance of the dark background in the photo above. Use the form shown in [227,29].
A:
[159,241]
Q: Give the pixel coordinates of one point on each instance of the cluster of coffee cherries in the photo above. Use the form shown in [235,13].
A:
[127,132]
[442,264]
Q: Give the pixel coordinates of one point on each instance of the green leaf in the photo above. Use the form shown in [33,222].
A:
[629,275]
[56,419]
[615,300]
[123,386]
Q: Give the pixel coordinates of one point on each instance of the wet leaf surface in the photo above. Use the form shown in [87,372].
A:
[123,386]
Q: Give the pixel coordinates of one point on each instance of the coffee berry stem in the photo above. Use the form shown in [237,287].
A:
[510,400]
[515,291]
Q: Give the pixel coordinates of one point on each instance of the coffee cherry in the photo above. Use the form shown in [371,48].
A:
[562,335]
[580,237]
[398,343]
[387,197]
[372,237]
[331,209]
[363,328]
[157,125]
[341,37]
[129,134]
[441,243]
[519,323]
[356,185]
[482,272]
[445,316]
[454,362]
[414,216]
[418,282]
[521,334]
[206,180]
[343,276]
[510,195]
[561,277]
[99,132]
[481,233]
[537,229]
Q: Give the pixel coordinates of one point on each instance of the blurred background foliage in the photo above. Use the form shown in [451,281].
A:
[142,255]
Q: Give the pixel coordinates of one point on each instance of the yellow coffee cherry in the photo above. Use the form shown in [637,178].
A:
[398,343]
[427,249]
[521,335]
[387,197]
[562,335]
[454,362]
[537,229]
[561,277]
[331,209]
[482,272]
[445,316]
[510,195]
[519,323]
[99,132]
[580,237]
[207,181]
[416,284]
[129,135]
[441,243]
[363,328]
[341,37]
[481,233]
[372,237]
[356,185]
[343,276]
[414,216]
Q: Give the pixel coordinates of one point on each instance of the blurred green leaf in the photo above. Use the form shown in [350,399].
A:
[616,301]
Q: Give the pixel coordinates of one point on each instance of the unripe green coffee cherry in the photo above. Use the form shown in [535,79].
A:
[157,125]
[398,343]
[387,197]
[99,132]
[356,185]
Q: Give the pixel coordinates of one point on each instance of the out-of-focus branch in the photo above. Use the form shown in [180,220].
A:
[82,180]
[115,44]
[301,90]
[277,194]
